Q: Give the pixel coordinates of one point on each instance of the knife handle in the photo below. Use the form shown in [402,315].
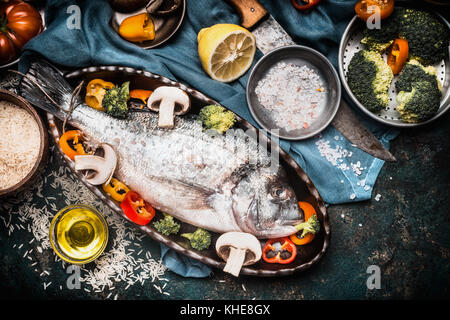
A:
[251,11]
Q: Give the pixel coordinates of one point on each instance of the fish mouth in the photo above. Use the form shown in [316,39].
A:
[292,223]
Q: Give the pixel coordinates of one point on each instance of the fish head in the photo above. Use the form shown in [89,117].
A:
[265,204]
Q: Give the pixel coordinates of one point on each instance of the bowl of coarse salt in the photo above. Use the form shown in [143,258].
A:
[23,144]
[293,92]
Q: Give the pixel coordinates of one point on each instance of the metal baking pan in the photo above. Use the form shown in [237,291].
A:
[305,190]
[351,43]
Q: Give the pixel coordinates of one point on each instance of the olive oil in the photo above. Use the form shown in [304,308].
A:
[79,234]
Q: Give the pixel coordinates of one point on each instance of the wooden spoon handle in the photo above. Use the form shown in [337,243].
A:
[251,12]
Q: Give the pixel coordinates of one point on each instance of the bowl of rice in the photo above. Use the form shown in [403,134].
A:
[23,144]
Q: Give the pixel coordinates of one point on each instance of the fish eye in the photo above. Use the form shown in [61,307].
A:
[278,192]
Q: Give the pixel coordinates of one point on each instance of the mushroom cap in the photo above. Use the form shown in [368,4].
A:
[104,167]
[178,97]
[239,240]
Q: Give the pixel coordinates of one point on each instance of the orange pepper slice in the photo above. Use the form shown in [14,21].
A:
[309,211]
[74,148]
[95,91]
[364,8]
[397,55]
[140,94]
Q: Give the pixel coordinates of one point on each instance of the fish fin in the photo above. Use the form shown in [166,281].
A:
[195,197]
[46,88]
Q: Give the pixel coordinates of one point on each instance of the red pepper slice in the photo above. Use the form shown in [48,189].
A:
[308,4]
[273,254]
[136,209]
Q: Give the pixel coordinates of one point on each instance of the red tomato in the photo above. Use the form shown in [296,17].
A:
[19,23]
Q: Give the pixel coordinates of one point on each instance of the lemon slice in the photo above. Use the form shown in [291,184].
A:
[226,51]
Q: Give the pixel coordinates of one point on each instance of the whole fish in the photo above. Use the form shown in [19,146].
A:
[220,183]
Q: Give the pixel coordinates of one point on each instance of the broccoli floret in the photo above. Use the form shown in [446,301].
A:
[167,225]
[216,118]
[369,77]
[419,92]
[379,39]
[115,101]
[200,239]
[419,104]
[310,226]
[414,71]
[427,36]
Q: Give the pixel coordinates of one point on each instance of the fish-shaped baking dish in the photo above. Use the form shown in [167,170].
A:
[195,200]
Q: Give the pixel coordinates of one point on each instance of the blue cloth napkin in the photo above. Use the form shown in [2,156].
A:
[341,172]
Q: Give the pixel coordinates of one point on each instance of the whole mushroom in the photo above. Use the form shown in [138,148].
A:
[165,100]
[238,249]
[104,167]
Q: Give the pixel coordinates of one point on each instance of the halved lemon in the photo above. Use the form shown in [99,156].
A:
[226,51]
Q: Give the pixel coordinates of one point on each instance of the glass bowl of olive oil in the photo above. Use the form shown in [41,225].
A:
[78,234]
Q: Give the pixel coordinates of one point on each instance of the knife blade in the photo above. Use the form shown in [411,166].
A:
[350,127]
[269,34]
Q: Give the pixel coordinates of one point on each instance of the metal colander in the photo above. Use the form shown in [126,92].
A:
[351,43]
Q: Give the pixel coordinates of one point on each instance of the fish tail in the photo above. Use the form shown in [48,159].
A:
[45,87]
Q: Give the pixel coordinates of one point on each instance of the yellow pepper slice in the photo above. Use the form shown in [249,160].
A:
[138,28]
[95,91]
[116,189]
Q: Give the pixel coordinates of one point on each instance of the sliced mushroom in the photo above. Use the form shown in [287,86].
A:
[104,167]
[165,100]
[238,249]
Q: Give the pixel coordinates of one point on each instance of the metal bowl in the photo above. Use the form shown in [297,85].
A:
[42,157]
[351,43]
[165,26]
[298,55]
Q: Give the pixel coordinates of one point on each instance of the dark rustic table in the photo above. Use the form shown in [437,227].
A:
[406,234]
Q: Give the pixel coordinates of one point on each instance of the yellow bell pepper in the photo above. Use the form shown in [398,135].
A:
[116,189]
[138,28]
[95,91]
